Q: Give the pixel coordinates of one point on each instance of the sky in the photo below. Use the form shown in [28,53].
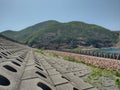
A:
[19,14]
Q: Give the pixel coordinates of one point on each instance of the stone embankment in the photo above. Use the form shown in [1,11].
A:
[106,63]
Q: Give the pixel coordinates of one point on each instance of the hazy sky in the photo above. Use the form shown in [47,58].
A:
[19,14]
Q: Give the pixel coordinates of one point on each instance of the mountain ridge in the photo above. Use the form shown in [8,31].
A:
[52,34]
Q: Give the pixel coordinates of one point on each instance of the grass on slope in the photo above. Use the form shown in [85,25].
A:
[99,72]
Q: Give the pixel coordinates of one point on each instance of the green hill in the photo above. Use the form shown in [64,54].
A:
[55,35]
[9,33]
[2,36]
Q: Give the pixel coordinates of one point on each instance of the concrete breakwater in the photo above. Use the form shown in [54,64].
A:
[96,54]
[23,69]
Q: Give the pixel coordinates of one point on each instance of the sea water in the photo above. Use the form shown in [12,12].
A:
[109,50]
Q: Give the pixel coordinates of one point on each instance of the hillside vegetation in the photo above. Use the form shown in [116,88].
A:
[2,36]
[56,35]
